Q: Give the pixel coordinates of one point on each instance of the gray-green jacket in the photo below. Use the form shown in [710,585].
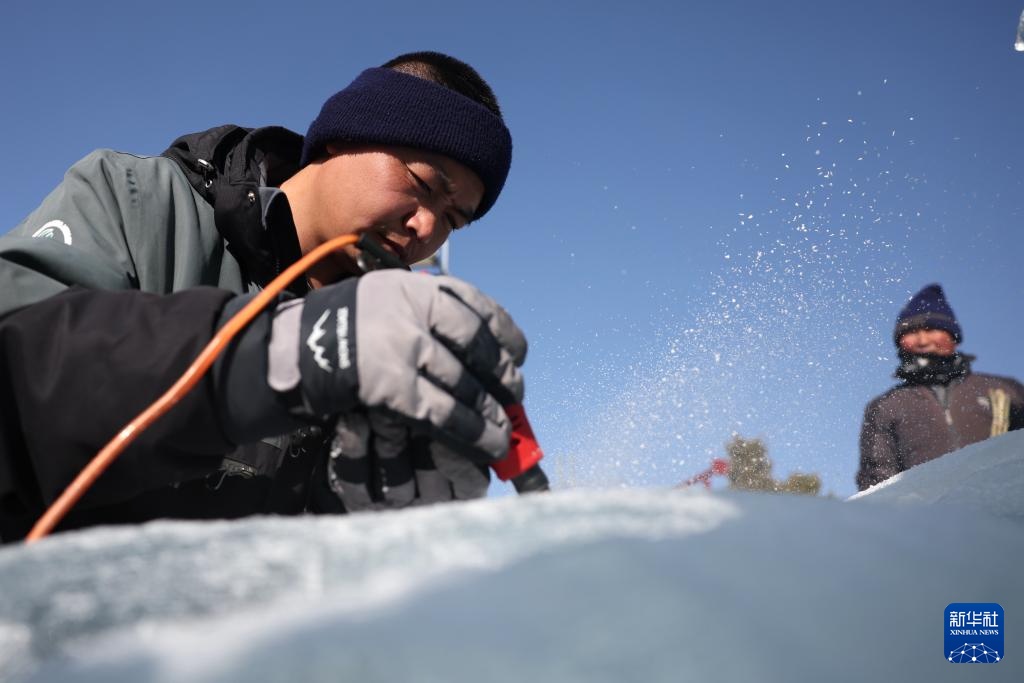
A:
[117,221]
[189,218]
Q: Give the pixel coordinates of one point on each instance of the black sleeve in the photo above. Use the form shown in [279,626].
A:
[75,368]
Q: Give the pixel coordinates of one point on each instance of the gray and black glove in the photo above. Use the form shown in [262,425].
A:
[378,461]
[432,354]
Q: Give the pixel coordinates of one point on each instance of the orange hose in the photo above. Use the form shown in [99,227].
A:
[102,460]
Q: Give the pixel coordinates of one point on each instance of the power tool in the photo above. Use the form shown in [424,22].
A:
[521,465]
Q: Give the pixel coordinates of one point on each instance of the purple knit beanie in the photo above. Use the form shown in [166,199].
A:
[387,107]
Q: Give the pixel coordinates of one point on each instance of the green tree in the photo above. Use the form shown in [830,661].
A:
[749,466]
[750,469]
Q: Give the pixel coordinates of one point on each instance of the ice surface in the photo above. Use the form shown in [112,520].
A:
[574,586]
[986,476]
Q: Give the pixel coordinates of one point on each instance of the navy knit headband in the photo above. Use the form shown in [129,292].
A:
[387,107]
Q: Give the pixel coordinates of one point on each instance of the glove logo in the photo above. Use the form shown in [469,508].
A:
[343,354]
[312,342]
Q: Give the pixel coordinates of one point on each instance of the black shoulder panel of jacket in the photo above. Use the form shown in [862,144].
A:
[203,156]
[77,367]
[226,166]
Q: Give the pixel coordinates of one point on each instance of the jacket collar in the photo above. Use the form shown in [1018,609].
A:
[227,165]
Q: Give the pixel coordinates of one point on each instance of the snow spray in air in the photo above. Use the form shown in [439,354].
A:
[800,303]
[1019,45]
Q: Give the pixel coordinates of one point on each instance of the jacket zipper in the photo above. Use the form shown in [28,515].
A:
[944,399]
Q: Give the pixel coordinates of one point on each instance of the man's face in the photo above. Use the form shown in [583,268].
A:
[411,199]
[926,340]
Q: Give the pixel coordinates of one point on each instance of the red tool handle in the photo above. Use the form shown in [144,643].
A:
[524,454]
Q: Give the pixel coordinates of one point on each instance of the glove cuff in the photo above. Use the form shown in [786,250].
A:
[327,349]
[250,408]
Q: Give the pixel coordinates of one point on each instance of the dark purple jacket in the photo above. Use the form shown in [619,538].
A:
[914,423]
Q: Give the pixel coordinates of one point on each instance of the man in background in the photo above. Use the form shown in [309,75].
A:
[941,404]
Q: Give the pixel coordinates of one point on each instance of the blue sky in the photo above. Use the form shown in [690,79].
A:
[714,213]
